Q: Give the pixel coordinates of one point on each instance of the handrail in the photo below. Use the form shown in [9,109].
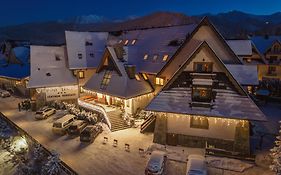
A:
[147,121]
[67,169]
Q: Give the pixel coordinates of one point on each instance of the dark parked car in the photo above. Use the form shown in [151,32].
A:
[90,133]
[76,127]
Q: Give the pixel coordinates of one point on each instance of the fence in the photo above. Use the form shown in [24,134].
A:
[67,169]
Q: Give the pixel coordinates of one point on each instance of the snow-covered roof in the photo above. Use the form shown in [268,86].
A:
[241,47]
[49,67]
[153,41]
[263,43]
[16,71]
[244,74]
[119,85]
[85,49]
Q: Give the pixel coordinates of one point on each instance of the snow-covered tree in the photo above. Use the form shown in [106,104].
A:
[275,153]
[53,166]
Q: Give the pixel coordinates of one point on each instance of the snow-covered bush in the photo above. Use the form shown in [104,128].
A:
[5,129]
[53,166]
[275,153]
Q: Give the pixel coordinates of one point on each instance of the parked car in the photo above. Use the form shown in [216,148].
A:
[61,125]
[45,113]
[196,165]
[5,94]
[90,133]
[156,163]
[76,127]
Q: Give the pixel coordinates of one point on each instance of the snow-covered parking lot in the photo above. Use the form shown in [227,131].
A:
[104,159]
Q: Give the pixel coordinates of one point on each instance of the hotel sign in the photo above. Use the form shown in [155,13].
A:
[60,93]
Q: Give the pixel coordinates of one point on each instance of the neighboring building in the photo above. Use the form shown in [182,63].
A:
[247,52]
[50,78]
[15,67]
[203,104]
[270,47]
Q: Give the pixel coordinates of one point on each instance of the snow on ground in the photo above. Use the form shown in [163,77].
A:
[105,159]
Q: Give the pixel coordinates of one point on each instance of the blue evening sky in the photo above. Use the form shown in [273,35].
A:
[22,11]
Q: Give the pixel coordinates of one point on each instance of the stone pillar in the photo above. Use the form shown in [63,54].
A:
[160,131]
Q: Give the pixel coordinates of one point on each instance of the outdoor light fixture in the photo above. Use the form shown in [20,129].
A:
[19,144]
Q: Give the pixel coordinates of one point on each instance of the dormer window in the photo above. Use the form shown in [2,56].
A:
[137,77]
[134,42]
[92,55]
[80,56]
[145,57]
[89,43]
[155,57]
[126,42]
[201,94]
[165,57]
[144,76]
[57,57]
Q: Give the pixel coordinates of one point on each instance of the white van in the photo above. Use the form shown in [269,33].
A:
[61,125]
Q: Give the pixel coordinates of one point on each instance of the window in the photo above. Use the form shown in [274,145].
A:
[159,81]
[137,77]
[272,59]
[80,56]
[201,94]
[81,74]
[203,67]
[48,74]
[155,57]
[145,57]
[126,42]
[165,57]
[120,41]
[199,122]
[276,48]
[144,76]
[106,79]
[272,70]
[134,42]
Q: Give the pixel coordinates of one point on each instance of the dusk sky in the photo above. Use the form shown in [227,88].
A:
[19,11]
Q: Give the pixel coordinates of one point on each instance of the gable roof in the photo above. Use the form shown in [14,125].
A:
[49,67]
[244,74]
[204,21]
[241,47]
[228,103]
[119,85]
[263,44]
[16,71]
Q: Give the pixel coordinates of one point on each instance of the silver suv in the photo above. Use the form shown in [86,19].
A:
[44,113]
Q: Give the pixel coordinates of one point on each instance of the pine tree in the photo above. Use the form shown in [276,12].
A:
[53,166]
[275,153]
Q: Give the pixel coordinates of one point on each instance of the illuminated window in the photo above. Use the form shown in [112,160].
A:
[144,76]
[137,77]
[199,122]
[81,74]
[106,79]
[134,42]
[203,67]
[201,94]
[159,81]
[145,57]
[80,56]
[155,57]
[165,57]
[126,42]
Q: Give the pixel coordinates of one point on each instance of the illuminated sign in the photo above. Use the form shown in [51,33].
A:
[60,93]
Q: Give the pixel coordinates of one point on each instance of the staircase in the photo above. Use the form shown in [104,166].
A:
[117,123]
